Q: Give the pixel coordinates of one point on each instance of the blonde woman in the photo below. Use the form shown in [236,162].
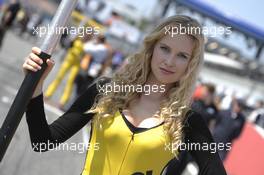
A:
[141,117]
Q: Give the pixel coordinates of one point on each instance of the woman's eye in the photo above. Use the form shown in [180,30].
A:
[164,48]
[183,56]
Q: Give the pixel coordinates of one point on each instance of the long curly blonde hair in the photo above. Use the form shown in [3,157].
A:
[174,108]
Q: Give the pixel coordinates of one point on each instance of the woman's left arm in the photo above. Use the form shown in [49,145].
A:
[202,147]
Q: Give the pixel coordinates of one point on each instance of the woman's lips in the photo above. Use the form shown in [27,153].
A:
[165,71]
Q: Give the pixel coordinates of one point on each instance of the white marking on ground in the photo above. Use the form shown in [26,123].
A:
[10,89]
[6,99]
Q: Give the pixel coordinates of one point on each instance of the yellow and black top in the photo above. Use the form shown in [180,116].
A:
[123,149]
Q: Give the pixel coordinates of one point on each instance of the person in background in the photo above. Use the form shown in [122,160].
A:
[97,52]
[203,103]
[8,18]
[24,18]
[70,63]
[114,17]
[118,58]
[35,21]
[229,125]
[257,116]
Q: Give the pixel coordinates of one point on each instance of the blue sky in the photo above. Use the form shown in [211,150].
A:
[250,10]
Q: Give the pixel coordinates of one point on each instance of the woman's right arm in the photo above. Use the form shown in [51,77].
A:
[41,133]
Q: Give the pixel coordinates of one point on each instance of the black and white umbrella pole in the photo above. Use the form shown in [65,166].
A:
[31,80]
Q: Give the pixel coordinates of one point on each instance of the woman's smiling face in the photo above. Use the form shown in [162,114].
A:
[170,58]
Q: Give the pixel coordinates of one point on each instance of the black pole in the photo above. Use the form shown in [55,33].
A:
[166,7]
[259,50]
[31,80]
